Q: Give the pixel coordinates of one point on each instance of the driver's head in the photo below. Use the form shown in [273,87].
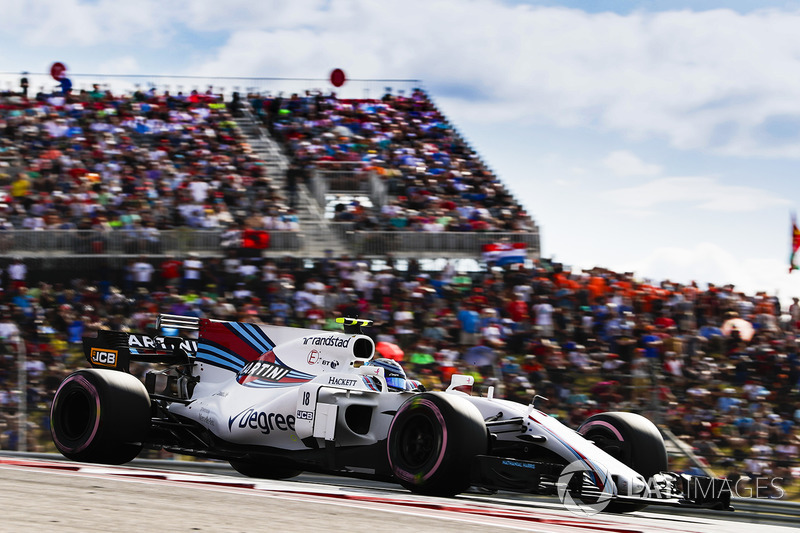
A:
[393,372]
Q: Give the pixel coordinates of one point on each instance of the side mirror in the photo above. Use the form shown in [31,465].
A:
[460,380]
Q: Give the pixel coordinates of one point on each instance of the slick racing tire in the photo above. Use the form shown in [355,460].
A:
[269,469]
[631,438]
[100,416]
[432,441]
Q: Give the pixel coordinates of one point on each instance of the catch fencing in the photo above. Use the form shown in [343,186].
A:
[219,85]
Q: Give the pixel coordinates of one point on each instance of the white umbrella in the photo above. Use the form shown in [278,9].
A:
[741,325]
[342,131]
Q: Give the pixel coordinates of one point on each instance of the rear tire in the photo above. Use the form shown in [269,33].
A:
[432,442]
[631,438]
[100,416]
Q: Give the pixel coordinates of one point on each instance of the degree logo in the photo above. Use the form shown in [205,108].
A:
[262,421]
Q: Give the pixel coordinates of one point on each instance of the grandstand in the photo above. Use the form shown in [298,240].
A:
[314,181]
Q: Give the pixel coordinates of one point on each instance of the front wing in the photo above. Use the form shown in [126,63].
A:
[668,488]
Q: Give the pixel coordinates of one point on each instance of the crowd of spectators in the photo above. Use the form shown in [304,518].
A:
[147,161]
[437,181]
[141,162]
[588,342]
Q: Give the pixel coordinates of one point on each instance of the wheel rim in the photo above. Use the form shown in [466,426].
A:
[608,442]
[418,442]
[77,415]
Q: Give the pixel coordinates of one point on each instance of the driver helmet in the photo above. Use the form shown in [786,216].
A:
[392,371]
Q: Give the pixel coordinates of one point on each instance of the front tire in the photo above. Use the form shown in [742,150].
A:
[631,438]
[432,441]
[100,416]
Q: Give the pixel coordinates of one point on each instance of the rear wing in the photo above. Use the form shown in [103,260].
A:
[116,349]
[240,342]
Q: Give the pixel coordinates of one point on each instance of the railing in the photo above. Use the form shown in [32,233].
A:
[272,152]
[124,242]
[184,240]
[372,243]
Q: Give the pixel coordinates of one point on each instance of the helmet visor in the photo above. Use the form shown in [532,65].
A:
[394,382]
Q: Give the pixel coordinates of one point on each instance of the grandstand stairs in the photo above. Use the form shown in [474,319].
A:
[315,230]
[263,145]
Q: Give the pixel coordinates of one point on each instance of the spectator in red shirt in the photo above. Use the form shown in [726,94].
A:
[518,309]
[171,272]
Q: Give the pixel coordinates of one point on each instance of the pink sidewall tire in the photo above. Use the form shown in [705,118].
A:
[432,442]
[100,416]
[631,438]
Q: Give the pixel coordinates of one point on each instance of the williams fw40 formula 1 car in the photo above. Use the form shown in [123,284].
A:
[275,401]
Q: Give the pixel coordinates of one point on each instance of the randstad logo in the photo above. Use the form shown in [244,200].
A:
[587,505]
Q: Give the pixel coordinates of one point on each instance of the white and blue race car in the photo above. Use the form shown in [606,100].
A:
[275,401]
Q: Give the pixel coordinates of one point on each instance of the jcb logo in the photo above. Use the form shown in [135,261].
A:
[104,357]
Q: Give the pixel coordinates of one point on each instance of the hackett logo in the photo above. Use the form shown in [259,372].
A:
[104,357]
[342,382]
